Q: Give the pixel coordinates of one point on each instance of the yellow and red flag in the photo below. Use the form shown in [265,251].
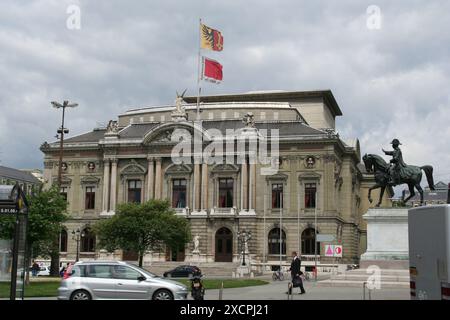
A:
[210,38]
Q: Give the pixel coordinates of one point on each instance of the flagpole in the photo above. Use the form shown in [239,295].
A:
[198,70]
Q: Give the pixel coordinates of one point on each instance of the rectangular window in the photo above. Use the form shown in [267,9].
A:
[90,198]
[277,195]
[134,191]
[179,193]
[310,195]
[97,271]
[225,193]
[63,192]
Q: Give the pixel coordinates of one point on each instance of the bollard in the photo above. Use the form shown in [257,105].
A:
[221,291]
[364,290]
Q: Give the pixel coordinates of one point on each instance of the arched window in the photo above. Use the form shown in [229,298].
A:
[309,242]
[87,241]
[274,241]
[63,241]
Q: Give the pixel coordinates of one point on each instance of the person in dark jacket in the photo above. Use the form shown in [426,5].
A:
[295,272]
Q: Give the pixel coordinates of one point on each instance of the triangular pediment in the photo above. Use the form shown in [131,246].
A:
[178,168]
[133,168]
[277,176]
[226,167]
[90,180]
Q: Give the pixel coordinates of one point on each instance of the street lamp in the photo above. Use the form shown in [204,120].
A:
[61,131]
[244,237]
[77,235]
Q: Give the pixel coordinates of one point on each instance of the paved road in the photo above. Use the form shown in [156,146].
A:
[276,291]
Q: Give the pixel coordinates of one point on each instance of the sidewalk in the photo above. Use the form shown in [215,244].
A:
[276,291]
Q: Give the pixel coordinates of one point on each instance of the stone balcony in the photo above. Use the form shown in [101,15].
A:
[224,212]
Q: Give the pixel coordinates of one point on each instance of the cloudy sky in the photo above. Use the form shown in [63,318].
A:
[391,81]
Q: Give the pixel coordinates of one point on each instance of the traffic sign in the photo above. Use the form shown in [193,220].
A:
[325,238]
[338,251]
[332,250]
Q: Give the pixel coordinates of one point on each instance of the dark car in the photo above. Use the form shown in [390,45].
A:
[182,272]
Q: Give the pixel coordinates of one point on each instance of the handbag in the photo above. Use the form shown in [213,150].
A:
[296,282]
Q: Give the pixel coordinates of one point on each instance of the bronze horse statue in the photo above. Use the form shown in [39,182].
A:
[380,168]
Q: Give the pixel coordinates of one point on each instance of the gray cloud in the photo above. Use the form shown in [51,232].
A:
[391,82]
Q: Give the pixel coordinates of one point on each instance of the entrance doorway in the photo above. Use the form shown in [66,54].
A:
[224,245]
[128,255]
[174,254]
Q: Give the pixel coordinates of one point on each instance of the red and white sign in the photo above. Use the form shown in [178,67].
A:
[332,250]
[338,251]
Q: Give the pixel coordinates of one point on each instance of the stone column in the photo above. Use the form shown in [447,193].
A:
[158,179]
[244,193]
[252,185]
[150,179]
[113,185]
[105,202]
[196,187]
[204,186]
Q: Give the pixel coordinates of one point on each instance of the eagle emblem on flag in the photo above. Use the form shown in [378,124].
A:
[211,38]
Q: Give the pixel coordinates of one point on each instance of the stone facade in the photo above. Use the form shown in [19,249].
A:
[132,158]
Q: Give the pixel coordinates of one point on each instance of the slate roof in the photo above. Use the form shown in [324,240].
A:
[93,136]
[286,128]
[14,174]
[137,130]
[428,195]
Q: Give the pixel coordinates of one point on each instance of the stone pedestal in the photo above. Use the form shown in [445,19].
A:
[196,257]
[387,238]
[243,270]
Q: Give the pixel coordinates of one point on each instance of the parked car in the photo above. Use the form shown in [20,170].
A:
[117,280]
[182,272]
[44,271]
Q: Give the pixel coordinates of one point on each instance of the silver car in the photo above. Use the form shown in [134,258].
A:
[117,280]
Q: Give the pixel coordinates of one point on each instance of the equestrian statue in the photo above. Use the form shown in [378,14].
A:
[397,172]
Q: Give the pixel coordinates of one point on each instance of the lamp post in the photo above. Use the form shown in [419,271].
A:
[77,235]
[244,237]
[61,131]
[315,236]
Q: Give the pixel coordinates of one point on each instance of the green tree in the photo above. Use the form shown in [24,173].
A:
[142,227]
[45,218]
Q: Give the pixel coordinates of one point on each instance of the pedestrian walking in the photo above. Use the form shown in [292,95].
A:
[68,271]
[62,271]
[297,281]
[35,269]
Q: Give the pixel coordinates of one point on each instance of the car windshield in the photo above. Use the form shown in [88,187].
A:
[145,271]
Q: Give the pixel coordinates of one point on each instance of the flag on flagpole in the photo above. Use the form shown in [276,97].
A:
[210,39]
[211,70]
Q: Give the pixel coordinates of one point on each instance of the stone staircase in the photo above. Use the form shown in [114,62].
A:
[209,269]
[389,278]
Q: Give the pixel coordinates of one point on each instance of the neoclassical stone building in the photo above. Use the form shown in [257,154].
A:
[143,155]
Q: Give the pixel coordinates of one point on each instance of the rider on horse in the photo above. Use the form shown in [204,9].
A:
[397,161]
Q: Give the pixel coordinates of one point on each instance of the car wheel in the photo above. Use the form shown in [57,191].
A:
[80,295]
[163,294]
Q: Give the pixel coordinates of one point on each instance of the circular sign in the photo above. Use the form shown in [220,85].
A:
[337,250]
